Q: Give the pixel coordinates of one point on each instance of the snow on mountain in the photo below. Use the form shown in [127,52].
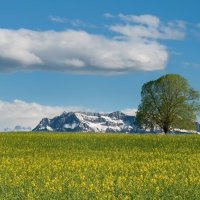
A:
[18,128]
[96,122]
[89,122]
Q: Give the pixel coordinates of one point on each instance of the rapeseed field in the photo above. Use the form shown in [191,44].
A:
[99,166]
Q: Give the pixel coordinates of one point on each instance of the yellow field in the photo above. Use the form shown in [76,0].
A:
[99,166]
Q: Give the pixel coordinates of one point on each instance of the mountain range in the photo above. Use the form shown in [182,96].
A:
[89,122]
[94,122]
[17,129]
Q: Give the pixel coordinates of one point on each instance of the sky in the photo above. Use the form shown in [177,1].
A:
[91,55]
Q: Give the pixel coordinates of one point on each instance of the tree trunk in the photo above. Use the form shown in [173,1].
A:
[166,129]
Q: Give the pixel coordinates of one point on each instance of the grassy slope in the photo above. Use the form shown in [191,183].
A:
[99,166]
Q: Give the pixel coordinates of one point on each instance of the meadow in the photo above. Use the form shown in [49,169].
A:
[99,166]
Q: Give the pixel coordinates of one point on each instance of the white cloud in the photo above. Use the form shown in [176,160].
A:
[150,27]
[177,24]
[130,111]
[73,22]
[149,20]
[108,15]
[135,46]
[26,114]
[56,19]
[77,52]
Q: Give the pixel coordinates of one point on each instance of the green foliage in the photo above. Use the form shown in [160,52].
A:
[99,166]
[168,102]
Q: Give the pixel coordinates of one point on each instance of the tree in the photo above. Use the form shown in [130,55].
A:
[168,102]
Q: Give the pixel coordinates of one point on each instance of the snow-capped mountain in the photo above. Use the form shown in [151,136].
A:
[89,122]
[18,128]
[96,122]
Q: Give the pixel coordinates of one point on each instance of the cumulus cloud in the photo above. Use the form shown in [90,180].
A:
[26,114]
[133,47]
[77,51]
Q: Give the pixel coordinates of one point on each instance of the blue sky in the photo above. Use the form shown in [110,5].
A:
[92,54]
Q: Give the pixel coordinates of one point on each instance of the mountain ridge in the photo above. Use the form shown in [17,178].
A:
[95,122]
[88,122]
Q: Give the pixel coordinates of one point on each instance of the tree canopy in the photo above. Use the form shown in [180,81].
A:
[168,102]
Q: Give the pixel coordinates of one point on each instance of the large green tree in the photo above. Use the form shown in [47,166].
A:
[168,102]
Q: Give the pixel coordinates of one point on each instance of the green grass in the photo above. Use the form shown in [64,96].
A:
[99,166]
